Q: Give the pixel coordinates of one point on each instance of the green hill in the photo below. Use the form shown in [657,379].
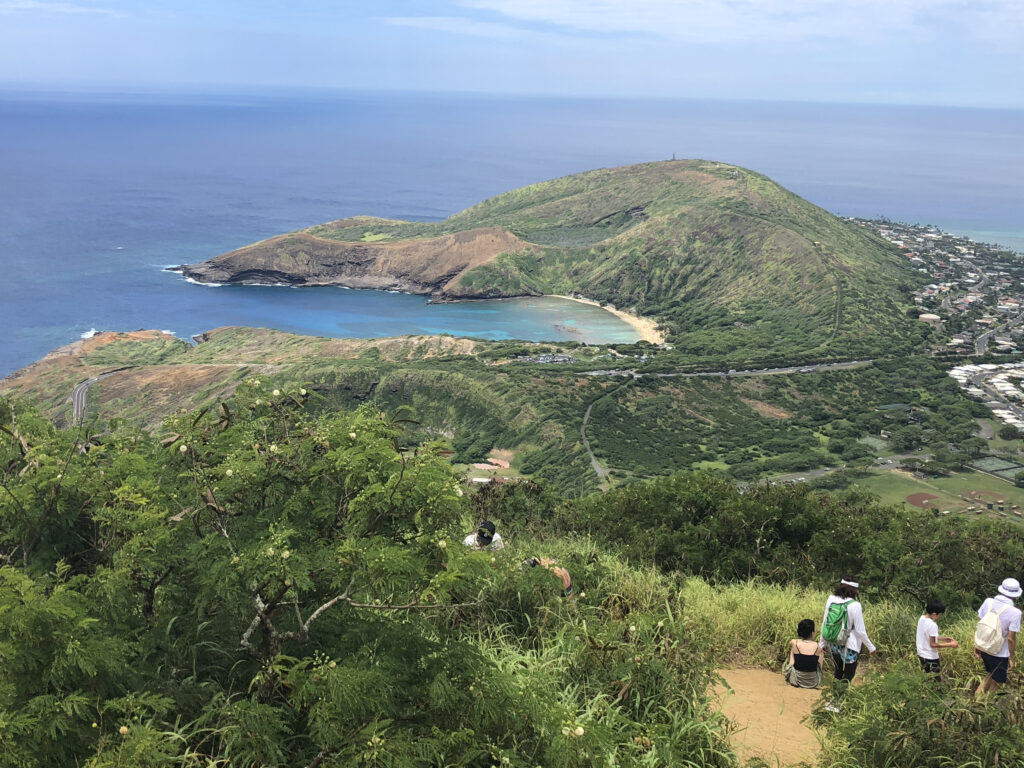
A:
[485,401]
[724,257]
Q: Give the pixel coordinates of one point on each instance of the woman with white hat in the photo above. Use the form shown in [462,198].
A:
[995,640]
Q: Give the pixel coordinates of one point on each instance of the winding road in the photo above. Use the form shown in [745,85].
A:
[600,471]
[80,394]
[981,343]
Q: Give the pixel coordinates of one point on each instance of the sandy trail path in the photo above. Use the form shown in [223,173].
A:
[769,716]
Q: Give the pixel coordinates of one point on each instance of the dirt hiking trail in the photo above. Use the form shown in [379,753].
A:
[769,716]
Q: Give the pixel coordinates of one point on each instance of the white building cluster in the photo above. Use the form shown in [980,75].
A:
[1006,382]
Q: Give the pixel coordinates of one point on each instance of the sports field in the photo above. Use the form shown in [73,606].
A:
[895,486]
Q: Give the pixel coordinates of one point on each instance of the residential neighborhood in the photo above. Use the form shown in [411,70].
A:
[976,295]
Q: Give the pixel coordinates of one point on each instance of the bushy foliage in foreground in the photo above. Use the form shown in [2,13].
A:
[264,587]
[902,718]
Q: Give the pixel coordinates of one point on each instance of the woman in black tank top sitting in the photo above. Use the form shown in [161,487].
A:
[803,668]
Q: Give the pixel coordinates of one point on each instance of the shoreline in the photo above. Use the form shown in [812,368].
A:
[645,326]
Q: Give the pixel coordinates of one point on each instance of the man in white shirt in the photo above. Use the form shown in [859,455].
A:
[928,638]
[485,538]
[997,665]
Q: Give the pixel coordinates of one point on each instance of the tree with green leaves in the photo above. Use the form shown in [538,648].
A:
[251,550]
[267,587]
[1009,432]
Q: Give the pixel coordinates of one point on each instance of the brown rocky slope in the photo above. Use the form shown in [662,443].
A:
[431,265]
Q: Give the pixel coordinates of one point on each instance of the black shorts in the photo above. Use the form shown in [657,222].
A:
[931,666]
[844,670]
[996,666]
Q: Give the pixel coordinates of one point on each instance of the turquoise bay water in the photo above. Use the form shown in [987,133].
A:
[99,194]
[326,311]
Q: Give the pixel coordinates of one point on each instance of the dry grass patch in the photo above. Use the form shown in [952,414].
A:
[162,388]
[767,409]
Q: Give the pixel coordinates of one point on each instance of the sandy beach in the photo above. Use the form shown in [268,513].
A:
[645,326]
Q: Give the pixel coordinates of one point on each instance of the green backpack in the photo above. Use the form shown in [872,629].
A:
[835,629]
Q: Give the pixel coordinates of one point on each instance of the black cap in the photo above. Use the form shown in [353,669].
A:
[485,532]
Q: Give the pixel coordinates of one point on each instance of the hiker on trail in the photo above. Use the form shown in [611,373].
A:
[928,638]
[553,566]
[803,670]
[995,639]
[485,538]
[842,628]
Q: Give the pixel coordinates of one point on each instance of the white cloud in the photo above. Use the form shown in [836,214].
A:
[40,6]
[769,20]
[462,26]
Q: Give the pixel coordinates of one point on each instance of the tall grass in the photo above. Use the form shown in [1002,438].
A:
[753,623]
[614,662]
[630,660]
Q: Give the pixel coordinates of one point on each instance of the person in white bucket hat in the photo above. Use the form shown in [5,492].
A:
[999,620]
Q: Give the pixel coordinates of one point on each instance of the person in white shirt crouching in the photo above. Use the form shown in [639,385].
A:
[485,538]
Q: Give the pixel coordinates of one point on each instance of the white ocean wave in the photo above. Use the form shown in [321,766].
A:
[169,333]
[208,285]
[90,333]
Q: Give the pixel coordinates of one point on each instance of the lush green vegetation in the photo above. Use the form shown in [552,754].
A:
[737,268]
[474,397]
[707,526]
[269,582]
[267,587]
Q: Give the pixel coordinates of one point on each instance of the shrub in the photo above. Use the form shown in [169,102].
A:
[903,718]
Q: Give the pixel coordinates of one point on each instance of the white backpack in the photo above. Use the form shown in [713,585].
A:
[988,637]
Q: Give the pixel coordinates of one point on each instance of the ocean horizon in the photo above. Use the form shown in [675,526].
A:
[102,192]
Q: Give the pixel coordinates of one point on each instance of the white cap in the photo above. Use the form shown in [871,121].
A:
[1010,588]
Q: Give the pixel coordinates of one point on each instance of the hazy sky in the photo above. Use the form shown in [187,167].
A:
[957,52]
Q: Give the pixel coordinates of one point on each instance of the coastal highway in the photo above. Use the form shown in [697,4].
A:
[752,372]
[81,390]
[80,393]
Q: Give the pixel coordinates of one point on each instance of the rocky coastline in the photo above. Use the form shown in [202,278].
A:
[427,266]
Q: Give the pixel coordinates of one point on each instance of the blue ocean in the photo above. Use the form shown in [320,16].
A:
[98,193]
